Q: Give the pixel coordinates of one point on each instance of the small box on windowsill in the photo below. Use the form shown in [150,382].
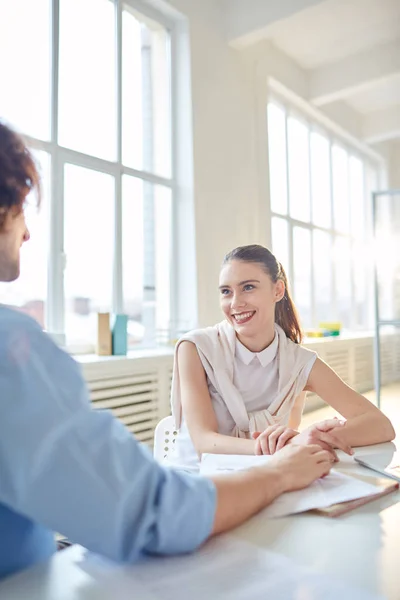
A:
[119,334]
[104,341]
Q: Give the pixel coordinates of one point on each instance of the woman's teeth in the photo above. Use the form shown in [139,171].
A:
[240,318]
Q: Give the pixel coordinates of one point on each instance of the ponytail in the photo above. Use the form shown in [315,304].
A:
[286,315]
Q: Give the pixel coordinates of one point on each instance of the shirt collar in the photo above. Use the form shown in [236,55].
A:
[265,357]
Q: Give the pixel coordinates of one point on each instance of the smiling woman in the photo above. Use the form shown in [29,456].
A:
[239,387]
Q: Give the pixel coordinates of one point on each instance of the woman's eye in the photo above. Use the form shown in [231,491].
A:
[248,287]
[224,292]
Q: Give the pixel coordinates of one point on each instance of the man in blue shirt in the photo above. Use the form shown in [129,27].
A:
[65,467]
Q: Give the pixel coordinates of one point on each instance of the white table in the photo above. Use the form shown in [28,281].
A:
[361,548]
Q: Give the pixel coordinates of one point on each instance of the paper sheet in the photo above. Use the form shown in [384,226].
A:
[334,488]
[226,568]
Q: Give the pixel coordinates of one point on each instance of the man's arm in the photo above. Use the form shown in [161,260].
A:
[80,471]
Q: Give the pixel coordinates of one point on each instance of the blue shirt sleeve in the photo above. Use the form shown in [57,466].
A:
[80,471]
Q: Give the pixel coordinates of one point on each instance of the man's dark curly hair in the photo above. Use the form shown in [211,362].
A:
[18,173]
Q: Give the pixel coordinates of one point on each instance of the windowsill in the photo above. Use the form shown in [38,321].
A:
[132,355]
[164,351]
[346,335]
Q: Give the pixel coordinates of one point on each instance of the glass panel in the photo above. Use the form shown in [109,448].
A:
[362,292]
[29,291]
[280,241]
[320,180]
[277,158]
[89,247]
[387,255]
[322,250]
[133,257]
[146,102]
[163,254]
[299,170]
[342,256]
[357,197]
[25,65]
[87,98]
[146,252]
[367,262]
[340,185]
[302,273]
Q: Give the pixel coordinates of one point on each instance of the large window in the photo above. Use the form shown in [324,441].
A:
[88,83]
[320,204]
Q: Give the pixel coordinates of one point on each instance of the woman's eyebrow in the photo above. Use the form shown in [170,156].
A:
[240,283]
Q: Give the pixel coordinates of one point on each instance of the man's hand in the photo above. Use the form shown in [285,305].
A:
[301,465]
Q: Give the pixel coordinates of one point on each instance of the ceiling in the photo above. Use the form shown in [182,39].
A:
[347,50]
[335,29]
[381,95]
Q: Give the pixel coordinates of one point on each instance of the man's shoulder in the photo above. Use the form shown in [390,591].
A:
[11,318]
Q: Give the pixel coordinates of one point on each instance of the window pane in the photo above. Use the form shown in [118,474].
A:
[386,253]
[280,241]
[320,180]
[25,65]
[342,254]
[362,291]
[133,256]
[302,273]
[322,250]
[371,186]
[87,107]
[357,197]
[299,170]
[146,106]
[277,158]
[163,256]
[89,247]
[29,291]
[340,184]
[147,227]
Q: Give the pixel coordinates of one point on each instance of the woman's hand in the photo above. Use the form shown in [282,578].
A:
[273,439]
[323,434]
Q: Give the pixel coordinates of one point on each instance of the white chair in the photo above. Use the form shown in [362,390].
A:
[165,436]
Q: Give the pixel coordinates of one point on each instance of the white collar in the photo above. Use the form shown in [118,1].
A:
[265,357]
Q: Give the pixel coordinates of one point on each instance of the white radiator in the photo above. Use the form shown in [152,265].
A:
[353,361]
[136,389]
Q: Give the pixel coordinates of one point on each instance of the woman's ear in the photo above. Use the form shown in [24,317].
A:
[279,290]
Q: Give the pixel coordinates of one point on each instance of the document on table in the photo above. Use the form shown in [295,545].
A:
[225,568]
[334,488]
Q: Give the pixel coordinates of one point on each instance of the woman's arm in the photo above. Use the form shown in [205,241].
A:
[297,411]
[198,411]
[365,424]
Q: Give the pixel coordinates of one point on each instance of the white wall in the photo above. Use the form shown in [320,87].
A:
[225,169]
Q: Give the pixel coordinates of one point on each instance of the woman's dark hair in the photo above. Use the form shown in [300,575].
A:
[285,312]
[18,172]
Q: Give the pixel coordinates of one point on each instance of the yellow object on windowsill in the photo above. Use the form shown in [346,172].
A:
[331,325]
[314,333]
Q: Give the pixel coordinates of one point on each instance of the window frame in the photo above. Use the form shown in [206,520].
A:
[322,128]
[59,156]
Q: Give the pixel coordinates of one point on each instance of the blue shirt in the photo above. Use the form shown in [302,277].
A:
[68,468]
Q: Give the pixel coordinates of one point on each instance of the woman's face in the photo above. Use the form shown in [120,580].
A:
[248,297]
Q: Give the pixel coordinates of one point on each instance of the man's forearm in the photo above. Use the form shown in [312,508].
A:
[243,494]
